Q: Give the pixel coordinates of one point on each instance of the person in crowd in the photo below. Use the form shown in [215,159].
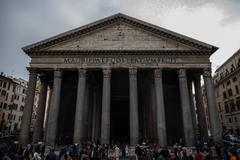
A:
[51,155]
[36,155]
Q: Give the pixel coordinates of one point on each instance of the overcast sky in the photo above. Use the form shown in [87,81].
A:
[23,22]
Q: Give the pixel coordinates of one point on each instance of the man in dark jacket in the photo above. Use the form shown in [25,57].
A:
[51,155]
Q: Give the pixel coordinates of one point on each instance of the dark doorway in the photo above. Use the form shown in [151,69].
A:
[173,111]
[66,116]
[119,120]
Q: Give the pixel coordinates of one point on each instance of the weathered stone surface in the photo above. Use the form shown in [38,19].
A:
[120,37]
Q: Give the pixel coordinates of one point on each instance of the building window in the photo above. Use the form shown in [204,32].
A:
[12,98]
[9,86]
[22,99]
[237,89]
[232,67]
[230,92]
[223,86]
[224,95]
[226,72]
[226,107]
[5,106]
[235,118]
[23,91]
[7,97]
[0,83]
[230,120]
[9,116]
[221,76]
[21,108]
[4,84]
[232,105]
[1,104]
[219,107]
[228,83]
[234,79]
[4,93]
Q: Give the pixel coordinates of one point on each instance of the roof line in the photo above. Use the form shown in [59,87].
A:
[120,15]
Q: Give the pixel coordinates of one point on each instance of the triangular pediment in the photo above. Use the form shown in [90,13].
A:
[119,32]
[120,36]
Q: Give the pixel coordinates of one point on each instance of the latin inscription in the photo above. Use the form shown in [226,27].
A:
[120,60]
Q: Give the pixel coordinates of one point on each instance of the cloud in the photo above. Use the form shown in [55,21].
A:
[230,8]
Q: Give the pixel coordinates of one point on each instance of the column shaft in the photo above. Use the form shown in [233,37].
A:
[79,121]
[51,131]
[216,128]
[200,108]
[105,126]
[186,110]
[28,108]
[38,130]
[161,122]
[47,109]
[134,124]
[193,110]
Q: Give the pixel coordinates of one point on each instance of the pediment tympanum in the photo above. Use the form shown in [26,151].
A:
[120,37]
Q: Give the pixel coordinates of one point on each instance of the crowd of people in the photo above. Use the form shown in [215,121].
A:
[93,151]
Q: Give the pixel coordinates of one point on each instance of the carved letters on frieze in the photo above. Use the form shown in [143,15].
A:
[120,60]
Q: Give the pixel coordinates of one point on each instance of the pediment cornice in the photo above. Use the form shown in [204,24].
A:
[120,52]
[119,18]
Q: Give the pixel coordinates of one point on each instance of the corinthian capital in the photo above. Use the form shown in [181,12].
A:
[82,72]
[158,73]
[106,73]
[57,73]
[132,72]
[182,73]
[207,72]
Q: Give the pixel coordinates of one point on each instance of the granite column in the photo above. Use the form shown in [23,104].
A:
[186,110]
[28,108]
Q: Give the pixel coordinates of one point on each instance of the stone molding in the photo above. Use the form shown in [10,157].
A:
[118,52]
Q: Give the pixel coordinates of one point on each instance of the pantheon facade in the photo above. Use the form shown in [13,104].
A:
[120,79]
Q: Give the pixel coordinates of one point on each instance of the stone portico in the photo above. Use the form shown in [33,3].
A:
[120,79]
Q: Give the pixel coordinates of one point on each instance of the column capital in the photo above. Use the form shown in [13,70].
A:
[207,72]
[182,73]
[158,73]
[57,73]
[82,72]
[106,73]
[132,72]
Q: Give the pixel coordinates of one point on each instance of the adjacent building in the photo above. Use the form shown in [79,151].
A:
[227,91]
[12,98]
